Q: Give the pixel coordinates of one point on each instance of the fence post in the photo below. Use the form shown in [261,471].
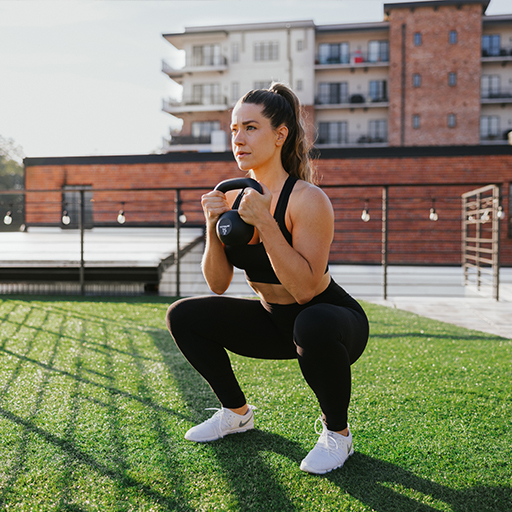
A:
[81,219]
[384,249]
[177,228]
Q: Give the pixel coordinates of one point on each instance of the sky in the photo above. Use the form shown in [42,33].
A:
[83,77]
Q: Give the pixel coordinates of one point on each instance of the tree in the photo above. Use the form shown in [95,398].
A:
[12,174]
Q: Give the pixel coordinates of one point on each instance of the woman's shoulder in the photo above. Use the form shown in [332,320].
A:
[309,196]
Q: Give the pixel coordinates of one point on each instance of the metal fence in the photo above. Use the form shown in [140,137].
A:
[377,226]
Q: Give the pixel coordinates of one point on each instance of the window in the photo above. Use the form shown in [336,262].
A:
[490,86]
[206,94]
[452,79]
[337,53]
[378,130]
[333,132]
[452,120]
[202,130]
[235,92]
[378,90]
[207,55]
[416,121]
[452,38]
[71,203]
[489,127]
[332,93]
[235,53]
[262,84]
[491,45]
[417,39]
[268,50]
[300,85]
[300,45]
[378,51]
[416,80]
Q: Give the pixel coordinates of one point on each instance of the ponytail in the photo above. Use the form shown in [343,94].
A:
[282,107]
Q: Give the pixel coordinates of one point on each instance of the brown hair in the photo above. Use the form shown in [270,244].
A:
[282,107]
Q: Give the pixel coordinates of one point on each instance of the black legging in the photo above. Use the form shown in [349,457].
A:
[326,335]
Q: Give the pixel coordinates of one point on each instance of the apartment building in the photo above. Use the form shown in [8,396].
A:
[431,73]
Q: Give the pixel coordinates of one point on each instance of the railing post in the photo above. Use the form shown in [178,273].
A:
[177,228]
[81,219]
[384,249]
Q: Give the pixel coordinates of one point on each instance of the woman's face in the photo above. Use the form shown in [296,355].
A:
[254,142]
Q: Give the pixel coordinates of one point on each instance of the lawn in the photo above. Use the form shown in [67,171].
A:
[95,400]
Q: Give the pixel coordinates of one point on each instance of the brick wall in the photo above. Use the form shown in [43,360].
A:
[416,179]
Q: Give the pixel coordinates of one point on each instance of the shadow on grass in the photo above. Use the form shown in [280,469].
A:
[378,485]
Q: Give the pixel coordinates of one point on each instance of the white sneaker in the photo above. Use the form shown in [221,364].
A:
[330,452]
[223,422]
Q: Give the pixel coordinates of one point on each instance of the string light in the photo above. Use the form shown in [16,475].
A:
[500,213]
[120,217]
[66,219]
[8,218]
[433,216]
[182,218]
[485,216]
[365,216]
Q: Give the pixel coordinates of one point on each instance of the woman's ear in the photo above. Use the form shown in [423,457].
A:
[282,134]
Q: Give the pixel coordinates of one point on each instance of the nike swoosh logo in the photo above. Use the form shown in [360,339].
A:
[243,423]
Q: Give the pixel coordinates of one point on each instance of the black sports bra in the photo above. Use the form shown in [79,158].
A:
[253,258]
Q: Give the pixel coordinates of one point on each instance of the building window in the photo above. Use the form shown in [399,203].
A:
[378,51]
[202,130]
[378,90]
[300,85]
[206,94]
[416,80]
[333,133]
[452,120]
[378,130]
[452,38]
[268,50]
[332,93]
[235,92]
[491,45]
[416,121]
[489,127]
[206,55]
[235,52]
[490,86]
[262,84]
[417,39]
[452,79]
[300,45]
[337,53]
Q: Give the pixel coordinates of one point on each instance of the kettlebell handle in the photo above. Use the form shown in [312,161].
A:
[235,183]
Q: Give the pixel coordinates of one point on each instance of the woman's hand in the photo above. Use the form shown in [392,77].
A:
[254,206]
[214,204]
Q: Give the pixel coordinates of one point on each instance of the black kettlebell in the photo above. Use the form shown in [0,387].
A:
[231,229]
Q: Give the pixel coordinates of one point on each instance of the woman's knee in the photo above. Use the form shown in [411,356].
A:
[178,316]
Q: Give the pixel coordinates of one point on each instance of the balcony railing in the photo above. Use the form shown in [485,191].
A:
[496,96]
[194,103]
[354,140]
[497,53]
[354,58]
[177,140]
[352,100]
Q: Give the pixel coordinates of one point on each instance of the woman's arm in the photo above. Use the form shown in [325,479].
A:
[217,270]
[299,268]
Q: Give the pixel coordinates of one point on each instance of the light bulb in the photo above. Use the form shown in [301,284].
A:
[500,214]
[365,216]
[485,216]
[8,218]
[66,219]
[433,215]
[121,218]
[182,218]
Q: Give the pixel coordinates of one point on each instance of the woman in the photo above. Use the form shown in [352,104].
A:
[302,313]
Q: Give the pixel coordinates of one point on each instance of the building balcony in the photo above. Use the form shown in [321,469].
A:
[500,138]
[503,95]
[350,102]
[218,64]
[191,104]
[354,140]
[497,54]
[354,59]
[214,142]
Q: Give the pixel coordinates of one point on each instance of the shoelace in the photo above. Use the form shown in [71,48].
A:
[325,438]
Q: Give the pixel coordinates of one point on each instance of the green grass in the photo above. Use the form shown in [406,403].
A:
[95,400]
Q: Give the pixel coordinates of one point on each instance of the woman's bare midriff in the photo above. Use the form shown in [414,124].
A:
[277,294]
